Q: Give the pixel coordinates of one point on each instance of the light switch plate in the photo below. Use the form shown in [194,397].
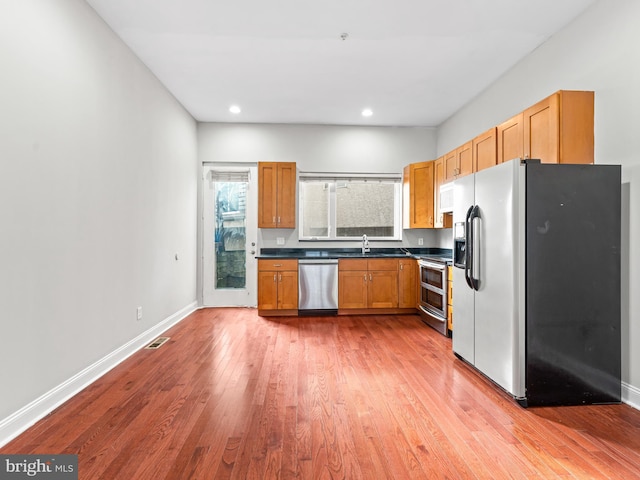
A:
[280,240]
[421,241]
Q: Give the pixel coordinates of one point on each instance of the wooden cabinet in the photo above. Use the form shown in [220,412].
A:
[458,162]
[450,298]
[277,287]
[510,136]
[276,195]
[484,150]
[559,129]
[407,283]
[418,195]
[368,283]
[441,220]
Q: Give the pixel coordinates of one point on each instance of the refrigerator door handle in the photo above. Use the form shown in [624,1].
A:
[468,250]
[473,282]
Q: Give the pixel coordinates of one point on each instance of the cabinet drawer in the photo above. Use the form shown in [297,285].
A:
[352,264]
[378,264]
[277,264]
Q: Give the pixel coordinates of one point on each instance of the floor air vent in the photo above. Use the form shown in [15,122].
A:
[157,343]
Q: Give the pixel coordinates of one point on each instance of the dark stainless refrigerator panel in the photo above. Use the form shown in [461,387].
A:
[573,284]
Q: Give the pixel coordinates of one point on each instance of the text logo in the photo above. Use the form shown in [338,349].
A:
[41,467]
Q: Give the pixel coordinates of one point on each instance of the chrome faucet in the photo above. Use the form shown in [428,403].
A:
[365,244]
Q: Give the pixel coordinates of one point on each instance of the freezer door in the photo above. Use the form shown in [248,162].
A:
[499,246]
[463,308]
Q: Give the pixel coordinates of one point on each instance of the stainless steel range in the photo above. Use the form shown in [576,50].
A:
[432,302]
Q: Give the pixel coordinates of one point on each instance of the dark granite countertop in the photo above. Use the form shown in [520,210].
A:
[301,253]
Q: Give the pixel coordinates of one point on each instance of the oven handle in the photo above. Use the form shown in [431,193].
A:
[436,266]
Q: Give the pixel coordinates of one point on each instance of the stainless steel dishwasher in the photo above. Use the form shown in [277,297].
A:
[318,286]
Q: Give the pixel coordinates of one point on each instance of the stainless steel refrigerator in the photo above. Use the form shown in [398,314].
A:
[536,280]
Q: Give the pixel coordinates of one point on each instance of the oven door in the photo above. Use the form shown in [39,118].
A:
[433,294]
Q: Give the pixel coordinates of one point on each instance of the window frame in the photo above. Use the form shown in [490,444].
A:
[333,180]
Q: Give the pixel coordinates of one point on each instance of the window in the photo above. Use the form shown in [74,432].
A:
[347,207]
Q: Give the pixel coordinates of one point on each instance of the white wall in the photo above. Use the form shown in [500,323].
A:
[321,148]
[599,52]
[98,192]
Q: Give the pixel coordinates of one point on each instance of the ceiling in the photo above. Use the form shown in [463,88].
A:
[412,62]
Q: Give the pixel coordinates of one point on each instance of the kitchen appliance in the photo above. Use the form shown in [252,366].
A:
[432,302]
[538,286]
[318,286]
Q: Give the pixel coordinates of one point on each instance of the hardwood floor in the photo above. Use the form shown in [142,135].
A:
[234,395]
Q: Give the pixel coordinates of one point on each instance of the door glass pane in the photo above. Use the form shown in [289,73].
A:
[230,234]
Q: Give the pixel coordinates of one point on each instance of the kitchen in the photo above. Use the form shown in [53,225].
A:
[52,171]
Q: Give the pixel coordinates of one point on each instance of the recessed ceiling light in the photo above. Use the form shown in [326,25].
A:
[235,109]
[367,112]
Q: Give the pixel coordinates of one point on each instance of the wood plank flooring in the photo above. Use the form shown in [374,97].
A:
[234,395]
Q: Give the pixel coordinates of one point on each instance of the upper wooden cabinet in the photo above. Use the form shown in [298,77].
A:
[559,129]
[276,195]
[441,220]
[458,162]
[484,150]
[510,135]
[418,195]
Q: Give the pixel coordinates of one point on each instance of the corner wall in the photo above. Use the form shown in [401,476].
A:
[98,193]
[598,51]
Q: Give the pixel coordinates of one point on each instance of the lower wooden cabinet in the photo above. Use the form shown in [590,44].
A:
[368,283]
[407,283]
[277,287]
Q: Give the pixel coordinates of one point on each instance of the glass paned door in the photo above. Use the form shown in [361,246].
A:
[230,228]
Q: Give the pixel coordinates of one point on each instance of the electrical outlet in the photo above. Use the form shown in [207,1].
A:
[139,313]
[280,240]
[421,241]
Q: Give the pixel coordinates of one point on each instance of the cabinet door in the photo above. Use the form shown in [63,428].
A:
[352,289]
[407,283]
[288,290]
[421,195]
[267,194]
[541,130]
[267,290]
[438,179]
[286,195]
[464,159]
[382,290]
[510,139]
[450,166]
[484,150]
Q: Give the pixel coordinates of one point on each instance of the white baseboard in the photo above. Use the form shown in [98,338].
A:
[631,395]
[18,422]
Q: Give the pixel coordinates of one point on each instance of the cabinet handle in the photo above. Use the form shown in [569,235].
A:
[278,220]
[370,278]
[365,278]
[277,264]
[280,278]
[274,277]
[401,265]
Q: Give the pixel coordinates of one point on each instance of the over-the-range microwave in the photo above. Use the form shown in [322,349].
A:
[446,197]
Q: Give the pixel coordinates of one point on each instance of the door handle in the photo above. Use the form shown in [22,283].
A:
[475,282]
